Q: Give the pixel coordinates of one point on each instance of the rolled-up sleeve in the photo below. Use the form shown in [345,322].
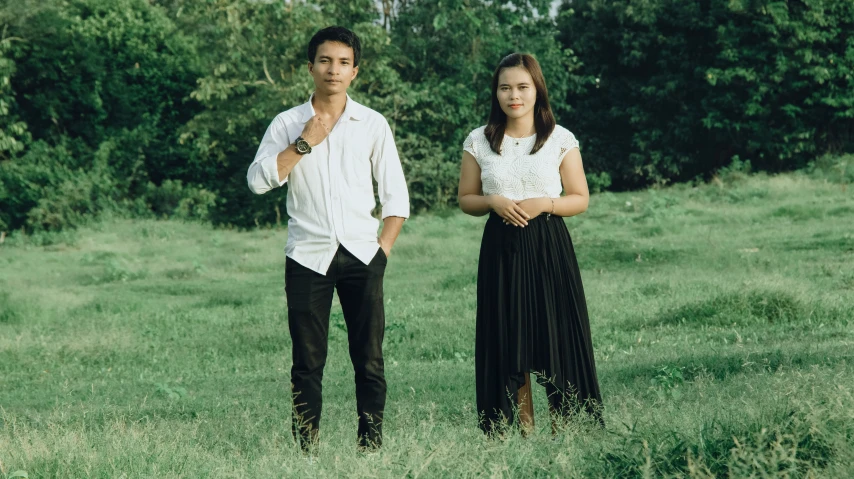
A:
[263,173]
[391,184]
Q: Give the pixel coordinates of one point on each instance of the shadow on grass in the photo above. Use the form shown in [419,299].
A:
[612,254]
[228,299]
[839,244]
[458,281]
[723,365]
[798,212]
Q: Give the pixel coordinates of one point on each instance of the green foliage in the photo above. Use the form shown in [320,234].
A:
[13,132]
[836,169]
[102,86]
[156,107]
[676,89]
[96,69]
[666,383]
[174,393]
[737,171]
[174,199]
[42,191]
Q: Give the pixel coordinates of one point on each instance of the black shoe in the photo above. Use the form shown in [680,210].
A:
[368,446]
[309,441]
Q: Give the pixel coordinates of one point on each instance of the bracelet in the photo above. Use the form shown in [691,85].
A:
[549,215]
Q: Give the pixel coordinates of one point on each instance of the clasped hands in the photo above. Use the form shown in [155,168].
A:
[517,213]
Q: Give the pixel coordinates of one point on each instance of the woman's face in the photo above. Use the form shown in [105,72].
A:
[516,92]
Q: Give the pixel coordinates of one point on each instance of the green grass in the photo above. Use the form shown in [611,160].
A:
[721,317]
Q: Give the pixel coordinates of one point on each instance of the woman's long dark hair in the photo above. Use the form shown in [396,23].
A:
[544,119]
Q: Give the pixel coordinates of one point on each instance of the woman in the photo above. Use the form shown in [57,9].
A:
[531,312]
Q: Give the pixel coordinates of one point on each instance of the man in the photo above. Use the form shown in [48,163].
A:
[327,150]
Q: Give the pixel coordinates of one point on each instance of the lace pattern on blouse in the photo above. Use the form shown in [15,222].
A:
[516,173]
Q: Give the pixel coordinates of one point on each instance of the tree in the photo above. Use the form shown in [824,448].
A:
[675,89]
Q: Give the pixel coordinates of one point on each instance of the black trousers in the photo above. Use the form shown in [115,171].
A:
[309,295]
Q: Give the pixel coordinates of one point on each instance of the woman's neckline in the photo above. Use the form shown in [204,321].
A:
[520,138]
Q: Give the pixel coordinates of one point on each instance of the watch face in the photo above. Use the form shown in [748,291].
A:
[302,146]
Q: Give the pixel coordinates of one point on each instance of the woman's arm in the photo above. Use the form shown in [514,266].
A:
[576,197]
[574,182]
[471,199]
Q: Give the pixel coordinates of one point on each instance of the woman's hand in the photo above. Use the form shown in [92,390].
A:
[536,206]
[508,209]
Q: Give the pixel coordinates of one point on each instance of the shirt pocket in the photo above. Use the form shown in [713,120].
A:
[358,161]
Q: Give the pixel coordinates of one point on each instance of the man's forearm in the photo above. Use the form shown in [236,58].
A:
[391,229]
[286,160]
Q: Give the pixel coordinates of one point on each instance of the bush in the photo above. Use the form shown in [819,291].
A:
[836,169]
[173,198]
[43,192]
[40,192]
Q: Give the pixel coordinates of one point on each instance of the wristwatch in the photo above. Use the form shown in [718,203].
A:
[302,146]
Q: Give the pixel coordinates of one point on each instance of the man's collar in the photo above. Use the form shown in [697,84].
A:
[352,110]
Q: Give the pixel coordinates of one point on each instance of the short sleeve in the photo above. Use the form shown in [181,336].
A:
[469,145]
[567,143]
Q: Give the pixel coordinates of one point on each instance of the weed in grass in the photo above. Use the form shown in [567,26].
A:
[173,393]
[10,311]
[666,383]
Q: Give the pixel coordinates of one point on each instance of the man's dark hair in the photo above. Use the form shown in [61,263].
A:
[335,34]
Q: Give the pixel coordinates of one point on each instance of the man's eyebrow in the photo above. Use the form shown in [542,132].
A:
[329,57]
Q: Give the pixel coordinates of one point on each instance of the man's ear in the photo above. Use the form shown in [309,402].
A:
[355,72]
[310,67]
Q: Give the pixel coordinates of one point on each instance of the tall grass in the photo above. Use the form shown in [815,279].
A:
[721,318]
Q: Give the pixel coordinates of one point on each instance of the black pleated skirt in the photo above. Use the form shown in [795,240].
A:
[531,318]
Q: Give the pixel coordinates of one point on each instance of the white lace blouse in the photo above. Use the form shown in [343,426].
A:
[516,173]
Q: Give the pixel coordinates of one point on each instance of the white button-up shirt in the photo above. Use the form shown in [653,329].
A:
[330,193]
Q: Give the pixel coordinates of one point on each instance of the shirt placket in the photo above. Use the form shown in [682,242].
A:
[335,137]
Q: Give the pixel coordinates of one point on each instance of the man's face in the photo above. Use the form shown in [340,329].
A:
[333,68]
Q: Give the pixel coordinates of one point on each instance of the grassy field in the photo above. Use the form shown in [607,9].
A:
[721,317]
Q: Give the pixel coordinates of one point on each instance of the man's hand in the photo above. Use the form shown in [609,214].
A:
[315,131]
[391,228]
